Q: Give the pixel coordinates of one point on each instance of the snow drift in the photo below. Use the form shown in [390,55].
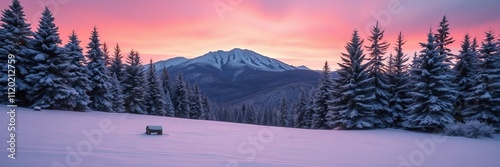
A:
[65,138]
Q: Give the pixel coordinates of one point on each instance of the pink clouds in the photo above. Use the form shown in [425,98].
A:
[295,31]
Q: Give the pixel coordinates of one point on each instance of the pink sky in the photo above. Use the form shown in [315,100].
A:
[297,32]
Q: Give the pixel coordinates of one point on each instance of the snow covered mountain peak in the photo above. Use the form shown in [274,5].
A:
[170,62]
[241,58]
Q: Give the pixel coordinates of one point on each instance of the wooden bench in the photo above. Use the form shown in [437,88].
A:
[36,108]
[154,129]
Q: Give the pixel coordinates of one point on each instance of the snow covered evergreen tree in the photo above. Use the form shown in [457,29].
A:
[399,78]
[196,105]
[309,112]
[182,98]
[444,39]
[80,75]
[16,40]
[249,113]
[169,106]
[117,66]
[107,58]
[433,94]
[134,85]
[155,99]
[321,102]
[100,94]
[207,115]
[351,104]
[50,74]
[300,110]
[484,100]
[118,102]
[377,74]
[283,113]
[465,70]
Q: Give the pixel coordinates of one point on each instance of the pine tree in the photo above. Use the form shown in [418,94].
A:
[196,105]
[484,100]
[105,50]
[249,113]
[444,39]
[283,113]
[182,98]
[169,106]
[351,104]
[208,115]
[414,61]
[117,66]
[321,103]
[100,94]
[433,95]
[377,74]
[300,110]
[155,99]
[309,112]
[49,76]
[117,100]
[16,40]
[465,69]
[133,84]
[399,78]
[80,78]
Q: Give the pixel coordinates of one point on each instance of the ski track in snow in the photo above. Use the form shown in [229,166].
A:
[43,139]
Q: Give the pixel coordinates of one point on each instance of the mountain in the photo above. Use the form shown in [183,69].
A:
[303,67]
[241,75]
[170,62]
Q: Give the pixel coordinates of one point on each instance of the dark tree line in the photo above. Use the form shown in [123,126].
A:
[438,88]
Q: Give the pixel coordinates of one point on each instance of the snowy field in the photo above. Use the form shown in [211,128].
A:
[90,139]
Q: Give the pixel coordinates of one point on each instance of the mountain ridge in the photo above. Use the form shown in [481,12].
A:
[235,57]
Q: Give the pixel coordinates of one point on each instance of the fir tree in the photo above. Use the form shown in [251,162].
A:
[196,106]
[133,84]
[433,95]
[100,94]
[399,78]
[377,74]
[105,50]
[169,106]
[309,112]
[283,113]
[484,100]
[300,110]
[155,99]
[321,105]
[208,115]
[118,102]
[351,98]
[249,114]
[80,75]
[117,66]
[444,39]
[49,76]
[465,69]
[182,98]
[16,40]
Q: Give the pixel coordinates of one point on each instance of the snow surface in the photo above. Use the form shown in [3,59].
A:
[44,138]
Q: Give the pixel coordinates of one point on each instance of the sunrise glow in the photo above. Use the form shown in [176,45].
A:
[297,32]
